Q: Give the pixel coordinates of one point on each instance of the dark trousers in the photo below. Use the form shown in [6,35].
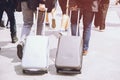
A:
[62,4]
[87,22]
[100,16]
[11,18]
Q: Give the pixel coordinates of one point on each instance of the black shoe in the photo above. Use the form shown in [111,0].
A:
[20,50]
[14,39]
[2,24]
[102,29]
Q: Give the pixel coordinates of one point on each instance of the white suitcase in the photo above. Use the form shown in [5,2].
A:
[36,51]
[69,53]
[35,55]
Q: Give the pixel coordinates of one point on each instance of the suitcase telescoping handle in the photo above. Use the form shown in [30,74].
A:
[36,20]
[67,7]
[78,17]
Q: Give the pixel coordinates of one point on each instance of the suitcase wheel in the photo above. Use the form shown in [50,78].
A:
[57,70]
[34,72]
[68,71]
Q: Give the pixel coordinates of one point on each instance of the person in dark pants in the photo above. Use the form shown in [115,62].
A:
[29,8]
[87,8]
[9,7]
[100,16]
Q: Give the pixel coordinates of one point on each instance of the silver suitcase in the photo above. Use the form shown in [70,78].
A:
[35,54]
[69,54]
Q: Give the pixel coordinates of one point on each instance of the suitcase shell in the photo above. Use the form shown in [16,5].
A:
[69,54]
[35,54]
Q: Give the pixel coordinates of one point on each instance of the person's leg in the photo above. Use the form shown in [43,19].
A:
[87,22]
[28,22]
[48,6]
[53,12]
[47,19]
[27,19]
[64,20]
[62,4]
[11,17]
[104,10]
[97,19]
[1,14]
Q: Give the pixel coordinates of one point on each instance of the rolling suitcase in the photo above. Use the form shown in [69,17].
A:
[69,53]
[35,54]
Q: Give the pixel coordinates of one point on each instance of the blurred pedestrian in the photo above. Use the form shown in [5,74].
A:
[29,8]
[87,8]
[100,16]
[9,7]
[65,17]
[51,5]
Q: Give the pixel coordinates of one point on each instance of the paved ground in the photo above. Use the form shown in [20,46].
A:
[101,63]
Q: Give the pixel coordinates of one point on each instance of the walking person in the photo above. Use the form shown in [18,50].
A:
[29,8]
[87,8]
[9,7]
[51,5]
[100,16]
[64,20]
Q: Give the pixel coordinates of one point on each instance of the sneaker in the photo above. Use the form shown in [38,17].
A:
[53,23]
[85,52]
[20,50]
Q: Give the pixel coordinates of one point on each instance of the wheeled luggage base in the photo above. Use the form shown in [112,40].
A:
[68,70]
[35,71]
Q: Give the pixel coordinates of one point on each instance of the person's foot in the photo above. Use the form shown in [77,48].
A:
[53,23]
[85,52]
[20,50]
[47,24]
[2,24]
[102,30]
[14,39]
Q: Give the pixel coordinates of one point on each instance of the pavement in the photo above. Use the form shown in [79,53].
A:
[101,63]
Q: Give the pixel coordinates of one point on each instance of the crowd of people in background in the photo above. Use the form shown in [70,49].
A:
[88,10]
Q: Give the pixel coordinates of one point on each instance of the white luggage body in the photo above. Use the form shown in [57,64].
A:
[35,54]
[69,51]
[69,54]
